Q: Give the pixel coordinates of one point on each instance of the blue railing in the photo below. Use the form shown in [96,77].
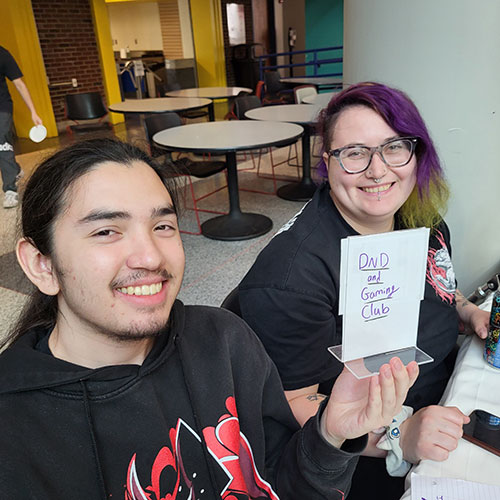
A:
[314,64]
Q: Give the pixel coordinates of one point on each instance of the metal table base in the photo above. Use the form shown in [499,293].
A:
[236,225]
[303,190]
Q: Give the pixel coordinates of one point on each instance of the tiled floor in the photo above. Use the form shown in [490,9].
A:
[213,268]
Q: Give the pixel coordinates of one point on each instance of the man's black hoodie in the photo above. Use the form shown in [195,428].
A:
[204,417]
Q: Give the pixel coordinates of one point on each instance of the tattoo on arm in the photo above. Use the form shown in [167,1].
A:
[315,397]
[461,300]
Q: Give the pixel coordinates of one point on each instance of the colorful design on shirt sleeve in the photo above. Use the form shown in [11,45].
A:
[440,274]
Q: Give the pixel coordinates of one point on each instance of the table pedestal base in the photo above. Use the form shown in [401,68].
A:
[297,191]
[239,226]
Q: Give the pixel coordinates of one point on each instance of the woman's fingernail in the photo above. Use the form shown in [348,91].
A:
[396,363]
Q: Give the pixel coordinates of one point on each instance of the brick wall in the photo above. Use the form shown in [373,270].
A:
[69,48]
[228,50]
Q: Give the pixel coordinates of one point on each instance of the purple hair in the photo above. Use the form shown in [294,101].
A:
[399,112]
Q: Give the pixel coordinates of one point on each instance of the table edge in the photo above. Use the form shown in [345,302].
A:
[193,149]
[198,106]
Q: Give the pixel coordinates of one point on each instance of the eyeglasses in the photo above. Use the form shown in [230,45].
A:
[394,153]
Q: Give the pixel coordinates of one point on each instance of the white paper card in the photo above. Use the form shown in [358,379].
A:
[382,280]
[443,488]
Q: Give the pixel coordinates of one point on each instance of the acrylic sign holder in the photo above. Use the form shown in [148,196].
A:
[370,365]
[382,280]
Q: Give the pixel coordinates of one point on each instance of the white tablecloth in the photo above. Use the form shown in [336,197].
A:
[473,385]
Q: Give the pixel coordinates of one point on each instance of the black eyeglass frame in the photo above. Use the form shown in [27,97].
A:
[374,149]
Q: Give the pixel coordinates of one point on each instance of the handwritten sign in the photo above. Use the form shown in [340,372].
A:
[377,293]
[443,488]
[382,279]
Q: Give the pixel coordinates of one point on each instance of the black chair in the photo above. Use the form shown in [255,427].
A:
[241,106]
[85,106]
[275,91]
[231,115]
[184,167]
[191,114]
[245,103]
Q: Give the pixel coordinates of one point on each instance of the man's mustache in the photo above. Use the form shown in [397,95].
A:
[139,275]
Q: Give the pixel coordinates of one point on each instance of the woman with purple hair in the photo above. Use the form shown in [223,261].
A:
[383,174]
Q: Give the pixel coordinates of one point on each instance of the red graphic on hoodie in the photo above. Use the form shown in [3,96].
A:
[232,460]
[232,451]
[440,274]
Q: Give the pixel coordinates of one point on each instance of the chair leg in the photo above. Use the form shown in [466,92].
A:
[273,176]
[102,119]
[184,196]
[195,207]
[70,130]
[195,210]
[298,164]
[296,157]
[313,146]
[196,200]
[246,190]
[274,165]
[211,193]
[244,155]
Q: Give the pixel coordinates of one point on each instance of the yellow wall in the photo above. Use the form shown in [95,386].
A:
[206,18]
[106,56]
[19,36]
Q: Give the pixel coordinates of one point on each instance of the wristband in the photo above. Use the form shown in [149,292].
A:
[395,464]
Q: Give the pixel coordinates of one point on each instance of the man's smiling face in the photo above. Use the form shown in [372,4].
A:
[118,254]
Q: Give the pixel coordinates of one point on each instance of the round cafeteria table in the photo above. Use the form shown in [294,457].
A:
[301,114]
[160,105]
[320,100]
[211,93]
[229,137]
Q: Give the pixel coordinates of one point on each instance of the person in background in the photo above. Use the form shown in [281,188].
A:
[8,165]
[383,175]
[111,388]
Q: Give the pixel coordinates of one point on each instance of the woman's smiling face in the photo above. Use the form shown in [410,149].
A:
[368,205]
